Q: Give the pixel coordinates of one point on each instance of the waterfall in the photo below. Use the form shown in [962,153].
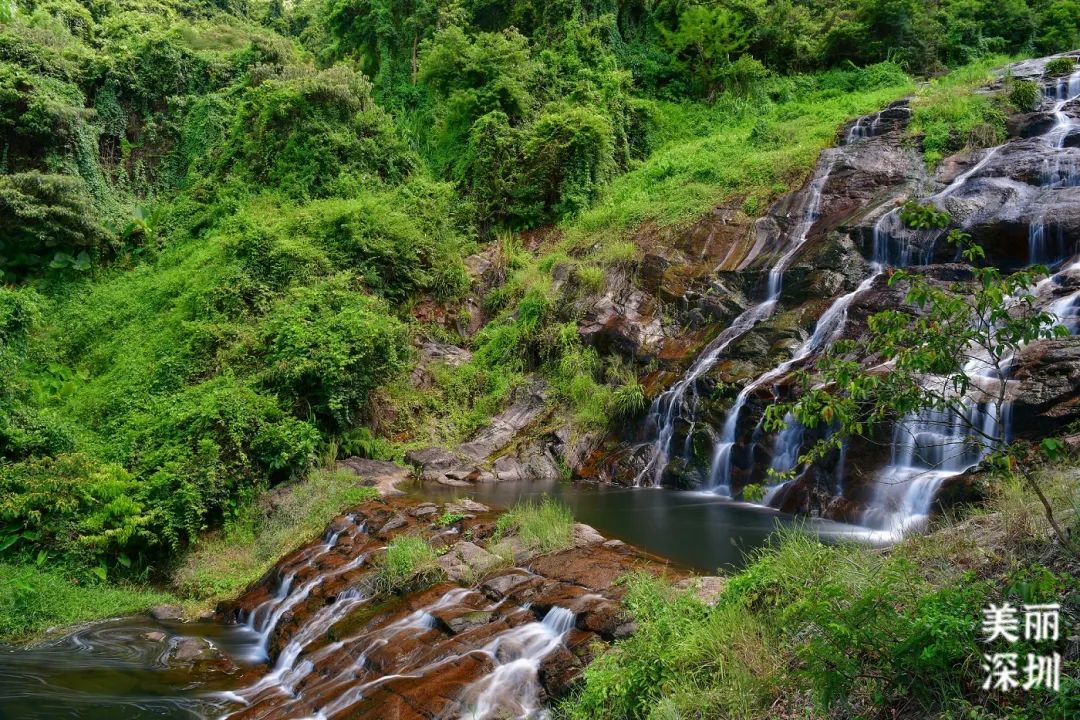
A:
[1065,172]
[828,329]
[863,128]
[512,689]
[666,409]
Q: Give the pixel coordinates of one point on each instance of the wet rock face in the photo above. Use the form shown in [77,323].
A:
[501,643]
[1046,392]
[1020,201]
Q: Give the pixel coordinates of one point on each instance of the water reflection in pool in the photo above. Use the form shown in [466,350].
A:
[698,530]
[123,670]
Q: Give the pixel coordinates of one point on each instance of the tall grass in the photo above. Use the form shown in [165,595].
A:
[409,562]
[33,599]
[546,526]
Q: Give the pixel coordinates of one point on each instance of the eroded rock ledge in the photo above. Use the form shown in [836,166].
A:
[332,630]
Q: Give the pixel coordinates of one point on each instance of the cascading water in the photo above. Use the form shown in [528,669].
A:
[828,329]
[512,689]
[666,409]
[935,445]
[909,483]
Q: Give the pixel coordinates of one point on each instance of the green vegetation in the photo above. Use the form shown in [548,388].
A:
[410,562]
[449,518]
[35,598]
[1060,66]
[226,225]
[546,526]
[948,117]
[808,630]
[265,529]
[1025,95]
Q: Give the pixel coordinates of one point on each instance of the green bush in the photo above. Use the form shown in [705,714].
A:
[569,159]
[1059,66]
[1025,95]
[312,134]
[325,347]
[76,507]
[46,219]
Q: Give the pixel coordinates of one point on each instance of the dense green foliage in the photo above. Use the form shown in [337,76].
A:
[224,225]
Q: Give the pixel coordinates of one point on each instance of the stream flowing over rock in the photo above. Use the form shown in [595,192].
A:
[512,636]
[810,273]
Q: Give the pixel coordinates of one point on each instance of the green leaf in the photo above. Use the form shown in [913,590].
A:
[100,572]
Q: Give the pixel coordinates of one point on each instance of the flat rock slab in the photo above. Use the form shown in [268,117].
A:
[466,560]
[383,476]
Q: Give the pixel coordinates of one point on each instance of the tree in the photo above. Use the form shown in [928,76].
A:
[711,42]
[951,348]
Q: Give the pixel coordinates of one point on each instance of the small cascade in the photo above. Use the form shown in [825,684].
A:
[513,689]
[264,618]
[864,127]
[829,328]
[1065,172]
[668,407]
[927,449]
[1048,245]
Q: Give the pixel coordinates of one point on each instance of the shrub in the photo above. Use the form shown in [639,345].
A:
[1025,95]
[311,134]
[75,507]
[45,219]
[569,159]
[923,217]
[1056,67]
[409,562]
[200,450]
[753,492]
[326,347]
[546,526]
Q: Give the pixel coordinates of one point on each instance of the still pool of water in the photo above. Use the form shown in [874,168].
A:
[110,670]
[697,530]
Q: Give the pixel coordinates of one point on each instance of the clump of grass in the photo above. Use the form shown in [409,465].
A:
[949,117]
[591,277]
[409,563]
[1024,95]
[546,526]
[1060,66]
[227,561]
[33,599]
[628,400]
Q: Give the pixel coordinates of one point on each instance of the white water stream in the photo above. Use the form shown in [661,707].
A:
[666,409]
